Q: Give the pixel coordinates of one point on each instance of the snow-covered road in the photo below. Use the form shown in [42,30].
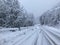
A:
[36,35]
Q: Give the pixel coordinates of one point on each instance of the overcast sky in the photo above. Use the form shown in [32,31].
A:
[38,6]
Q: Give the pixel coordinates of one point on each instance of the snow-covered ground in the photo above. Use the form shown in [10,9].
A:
[35,35]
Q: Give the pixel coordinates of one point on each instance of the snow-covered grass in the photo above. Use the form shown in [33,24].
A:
[8,29]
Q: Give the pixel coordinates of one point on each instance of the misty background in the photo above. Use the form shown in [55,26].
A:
[38,7]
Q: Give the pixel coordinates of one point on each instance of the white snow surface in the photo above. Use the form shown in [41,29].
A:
[35,35]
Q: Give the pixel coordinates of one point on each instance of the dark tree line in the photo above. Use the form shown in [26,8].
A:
[51,18]
[12,14]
